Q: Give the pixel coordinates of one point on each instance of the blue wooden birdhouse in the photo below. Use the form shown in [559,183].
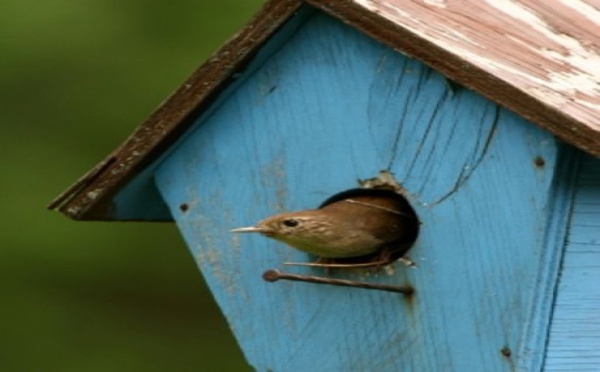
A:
[483,116]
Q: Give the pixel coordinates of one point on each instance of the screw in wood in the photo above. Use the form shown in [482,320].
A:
[275,275]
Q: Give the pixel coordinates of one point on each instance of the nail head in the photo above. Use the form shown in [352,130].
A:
[271,275]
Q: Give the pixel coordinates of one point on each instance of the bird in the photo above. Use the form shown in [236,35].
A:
[352,224]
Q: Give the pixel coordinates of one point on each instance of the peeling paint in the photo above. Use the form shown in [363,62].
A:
[437,3]
[94,193]
[73,211]
[385,179]
[589,12]
[539,55]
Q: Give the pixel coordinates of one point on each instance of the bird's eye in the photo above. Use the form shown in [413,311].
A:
[290,223]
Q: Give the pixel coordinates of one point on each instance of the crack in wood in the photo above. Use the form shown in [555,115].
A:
[464,176]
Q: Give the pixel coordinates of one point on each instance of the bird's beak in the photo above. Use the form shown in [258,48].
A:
[249,229]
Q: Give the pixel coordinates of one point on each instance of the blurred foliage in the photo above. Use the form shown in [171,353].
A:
[77,77]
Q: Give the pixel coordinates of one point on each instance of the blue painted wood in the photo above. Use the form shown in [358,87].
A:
[329,107]
[140,200]
[574,343]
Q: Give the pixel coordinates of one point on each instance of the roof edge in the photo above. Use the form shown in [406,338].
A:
[89,198]
[403,40]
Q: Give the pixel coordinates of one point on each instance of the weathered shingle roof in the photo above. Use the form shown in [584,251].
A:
[539,58]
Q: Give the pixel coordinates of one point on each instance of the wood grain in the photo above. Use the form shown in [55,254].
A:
[574,343]
[332,106]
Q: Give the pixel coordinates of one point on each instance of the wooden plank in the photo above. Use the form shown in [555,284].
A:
[332,106]
[574,343]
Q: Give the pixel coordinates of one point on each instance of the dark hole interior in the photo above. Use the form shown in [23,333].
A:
[390,206]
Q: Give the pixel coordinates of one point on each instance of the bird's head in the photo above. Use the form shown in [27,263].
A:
[307,231]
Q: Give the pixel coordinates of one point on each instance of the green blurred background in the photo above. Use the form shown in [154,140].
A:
[76,78]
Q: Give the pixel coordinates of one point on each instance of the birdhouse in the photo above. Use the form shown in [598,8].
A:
[483,117]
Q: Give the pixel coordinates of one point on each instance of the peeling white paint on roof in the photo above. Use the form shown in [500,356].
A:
[554,57]
[586,10]
[438,3]
[518,11]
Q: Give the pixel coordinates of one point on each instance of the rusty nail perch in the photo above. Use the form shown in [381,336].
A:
[275,275]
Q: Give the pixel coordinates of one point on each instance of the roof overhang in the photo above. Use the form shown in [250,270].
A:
[539,59]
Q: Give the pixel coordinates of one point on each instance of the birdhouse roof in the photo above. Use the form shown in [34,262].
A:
[540,59]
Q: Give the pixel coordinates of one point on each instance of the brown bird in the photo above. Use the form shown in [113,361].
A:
[353,223]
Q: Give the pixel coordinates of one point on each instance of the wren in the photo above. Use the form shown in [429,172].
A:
[354,223]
